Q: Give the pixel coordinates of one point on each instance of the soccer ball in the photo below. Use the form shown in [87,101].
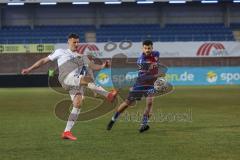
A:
[159,84]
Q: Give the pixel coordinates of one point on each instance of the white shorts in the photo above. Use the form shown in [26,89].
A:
[74,81]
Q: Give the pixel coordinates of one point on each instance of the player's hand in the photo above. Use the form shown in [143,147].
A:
[25,71]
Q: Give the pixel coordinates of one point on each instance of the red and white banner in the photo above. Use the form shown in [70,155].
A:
[166,49]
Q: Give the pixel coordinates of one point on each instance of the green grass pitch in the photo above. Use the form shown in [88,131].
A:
[189,124]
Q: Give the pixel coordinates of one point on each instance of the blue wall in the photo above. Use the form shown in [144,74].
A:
[178,76]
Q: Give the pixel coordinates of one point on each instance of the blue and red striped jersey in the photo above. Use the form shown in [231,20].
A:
[148,64]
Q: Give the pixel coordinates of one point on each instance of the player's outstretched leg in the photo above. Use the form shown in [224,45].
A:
[110,125]
[86,80]
[113,120]
[119,110]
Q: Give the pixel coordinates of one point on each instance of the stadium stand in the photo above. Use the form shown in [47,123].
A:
[235,26]
[171,32]
[116,33]
[41,34]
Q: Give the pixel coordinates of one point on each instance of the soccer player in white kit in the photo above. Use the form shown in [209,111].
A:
[72,66]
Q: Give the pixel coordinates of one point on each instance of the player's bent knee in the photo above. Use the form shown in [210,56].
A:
[77,100]
[130,103]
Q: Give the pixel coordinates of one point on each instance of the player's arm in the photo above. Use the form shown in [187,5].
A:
[157,64]
[36,65]
[163,68]
[97,67]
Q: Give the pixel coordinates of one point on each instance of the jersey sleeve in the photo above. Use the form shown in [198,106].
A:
[156,54]
[55,55]
[140,60]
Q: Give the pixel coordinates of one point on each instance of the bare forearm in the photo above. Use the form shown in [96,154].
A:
[36,65]
[96,67]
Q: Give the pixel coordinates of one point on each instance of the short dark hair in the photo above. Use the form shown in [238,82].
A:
[147,43]
[73,35]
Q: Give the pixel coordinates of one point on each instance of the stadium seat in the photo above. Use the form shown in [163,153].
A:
[116,33]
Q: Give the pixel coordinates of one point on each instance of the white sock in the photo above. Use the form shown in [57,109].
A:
[72,118]
[98,89]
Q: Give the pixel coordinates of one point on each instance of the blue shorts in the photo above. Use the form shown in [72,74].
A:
[141,89]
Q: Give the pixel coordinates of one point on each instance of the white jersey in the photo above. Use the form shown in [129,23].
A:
[64,55]
[69,62]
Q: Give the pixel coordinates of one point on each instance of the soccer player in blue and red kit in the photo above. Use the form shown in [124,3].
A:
[144,85]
